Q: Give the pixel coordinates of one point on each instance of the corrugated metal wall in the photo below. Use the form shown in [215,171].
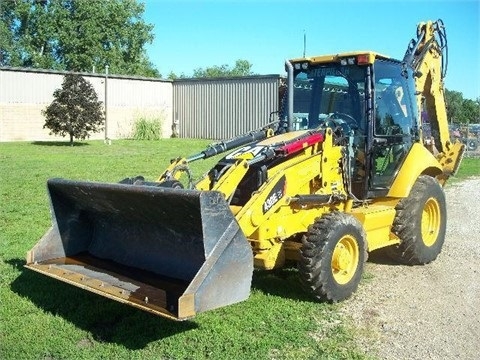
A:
[37,87]
[223,108]
[24,93]
[22,87]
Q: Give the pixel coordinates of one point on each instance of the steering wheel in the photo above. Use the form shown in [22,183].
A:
[342,124]
[350,120]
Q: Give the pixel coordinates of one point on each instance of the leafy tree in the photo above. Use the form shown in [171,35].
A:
[453,100]
[6,38]
[460,110]
[241,68]
[470,111]
[75,110]
[76,35]
[173,76]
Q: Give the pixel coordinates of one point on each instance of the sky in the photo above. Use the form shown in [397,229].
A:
[197,34]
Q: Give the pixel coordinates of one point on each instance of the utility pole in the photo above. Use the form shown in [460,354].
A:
[304,42]
[107,140]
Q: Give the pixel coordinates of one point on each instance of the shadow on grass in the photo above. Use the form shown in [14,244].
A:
[106,320]
[58,143]
[111,322]
[284,283]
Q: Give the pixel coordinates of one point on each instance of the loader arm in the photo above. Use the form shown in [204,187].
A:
[428,55]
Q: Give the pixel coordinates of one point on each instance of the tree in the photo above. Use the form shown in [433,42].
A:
[173,76]
[470,111]
[242,68]
[76,35]
[75,110]
[460,110]
[453,100]
[6,38]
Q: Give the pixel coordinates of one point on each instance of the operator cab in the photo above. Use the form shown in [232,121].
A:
[328,93]
[368,101]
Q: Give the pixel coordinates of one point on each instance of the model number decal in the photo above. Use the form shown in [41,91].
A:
[251,149]
[275,195]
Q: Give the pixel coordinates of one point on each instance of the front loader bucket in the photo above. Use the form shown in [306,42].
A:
[172,252]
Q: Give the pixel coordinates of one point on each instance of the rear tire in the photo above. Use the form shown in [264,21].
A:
[420,223]
[332,256]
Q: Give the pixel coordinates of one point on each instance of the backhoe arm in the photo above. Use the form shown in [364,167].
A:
[428,55]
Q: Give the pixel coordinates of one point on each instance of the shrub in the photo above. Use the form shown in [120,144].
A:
[147,129]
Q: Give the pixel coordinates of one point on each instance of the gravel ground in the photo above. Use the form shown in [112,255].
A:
[430,311]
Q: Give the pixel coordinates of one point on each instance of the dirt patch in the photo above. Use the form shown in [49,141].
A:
[430,311]
[85,343]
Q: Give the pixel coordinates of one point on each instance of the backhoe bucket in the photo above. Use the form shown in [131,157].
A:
[172,252]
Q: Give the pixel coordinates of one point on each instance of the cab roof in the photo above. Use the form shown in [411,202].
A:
[370,57]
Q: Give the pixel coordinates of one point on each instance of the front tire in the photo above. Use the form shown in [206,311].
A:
[420,223]
[332,256]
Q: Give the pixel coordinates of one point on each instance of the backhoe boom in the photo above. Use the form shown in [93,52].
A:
[428,56]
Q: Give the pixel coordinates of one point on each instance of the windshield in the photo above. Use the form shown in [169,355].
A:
[329,91]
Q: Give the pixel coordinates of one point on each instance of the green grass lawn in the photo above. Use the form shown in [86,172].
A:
[41,318]
[470,166]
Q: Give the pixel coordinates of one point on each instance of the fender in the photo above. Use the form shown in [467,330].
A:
[418,161]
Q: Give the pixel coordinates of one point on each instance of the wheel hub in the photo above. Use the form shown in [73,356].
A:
[431,220]
[342,258]
[345,259]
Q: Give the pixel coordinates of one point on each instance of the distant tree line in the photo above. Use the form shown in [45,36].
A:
[460,110]
[241,68]
[75,35]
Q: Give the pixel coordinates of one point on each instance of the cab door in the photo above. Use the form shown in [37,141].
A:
[394,123]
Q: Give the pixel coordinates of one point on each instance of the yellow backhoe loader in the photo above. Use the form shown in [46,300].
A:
[356,162]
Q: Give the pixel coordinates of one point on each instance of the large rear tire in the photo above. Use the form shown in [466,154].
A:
[420,223]
[332,256]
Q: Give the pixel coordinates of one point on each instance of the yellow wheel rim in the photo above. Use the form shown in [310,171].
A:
[431,220]
[345,259]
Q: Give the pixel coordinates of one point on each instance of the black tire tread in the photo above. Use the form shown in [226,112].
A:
[315,259]
[412,250]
